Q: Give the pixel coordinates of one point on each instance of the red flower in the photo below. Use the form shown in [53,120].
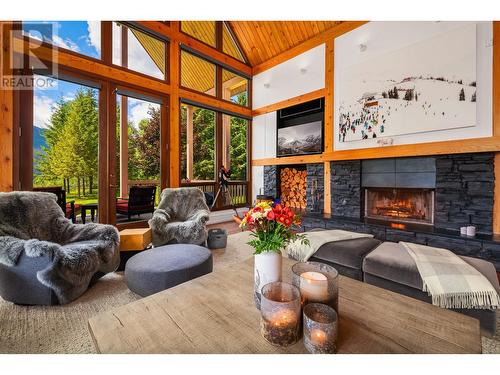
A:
[271,215]
[257,209]
[288,222]
[250,220]
[280,219]
[278,208]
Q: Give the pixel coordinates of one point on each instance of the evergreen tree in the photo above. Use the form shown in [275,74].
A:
[473,98]
[461,96]
[395,93]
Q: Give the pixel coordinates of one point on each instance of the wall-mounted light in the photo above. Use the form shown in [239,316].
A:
[362,47]
[267,85]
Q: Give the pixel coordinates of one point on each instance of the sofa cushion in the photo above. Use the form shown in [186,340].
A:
[349,253]
[391,261]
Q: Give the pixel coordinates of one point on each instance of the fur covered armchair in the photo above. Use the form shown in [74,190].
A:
[44,257]
[181,217]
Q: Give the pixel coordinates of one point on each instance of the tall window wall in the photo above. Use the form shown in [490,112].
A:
[96,133]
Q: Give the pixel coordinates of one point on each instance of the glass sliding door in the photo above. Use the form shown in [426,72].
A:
[65,143]
[138,156]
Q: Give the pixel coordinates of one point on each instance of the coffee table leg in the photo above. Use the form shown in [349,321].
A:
[84,213]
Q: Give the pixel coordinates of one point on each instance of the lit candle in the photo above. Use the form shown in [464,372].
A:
[284,318]
[318,337]
[313,287]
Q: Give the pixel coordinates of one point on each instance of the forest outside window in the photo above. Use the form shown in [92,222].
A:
[235,146]
[83,37]
[197,144]
[138,51]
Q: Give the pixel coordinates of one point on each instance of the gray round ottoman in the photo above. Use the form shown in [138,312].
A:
[163,267]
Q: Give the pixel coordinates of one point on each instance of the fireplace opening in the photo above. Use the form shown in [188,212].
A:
[400,205]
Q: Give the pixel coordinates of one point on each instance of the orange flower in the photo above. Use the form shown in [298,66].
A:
[271,215]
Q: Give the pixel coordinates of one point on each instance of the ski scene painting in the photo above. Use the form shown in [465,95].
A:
[422,87]
[300,139]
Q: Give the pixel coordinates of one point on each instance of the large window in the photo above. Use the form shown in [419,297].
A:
[136,50]
[202,30]
[65,142]
[197,144]
[138,145]
[197,74]
[83,37]
[234,148]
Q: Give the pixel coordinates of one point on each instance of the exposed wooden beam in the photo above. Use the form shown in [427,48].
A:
[92,67]
[328,132]
[224,106]
[289,102]
[488,144]
[174,34]
[174,110]
[315,41]
[327,198]
[496,122]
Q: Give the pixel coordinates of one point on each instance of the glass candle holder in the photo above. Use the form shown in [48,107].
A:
[317,282]
[280,313]
[320,328]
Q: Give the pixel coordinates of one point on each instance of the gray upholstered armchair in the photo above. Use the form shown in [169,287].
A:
[45,259]
[180,217]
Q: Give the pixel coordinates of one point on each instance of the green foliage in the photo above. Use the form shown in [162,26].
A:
[72,140]
[204,143]
[274,239]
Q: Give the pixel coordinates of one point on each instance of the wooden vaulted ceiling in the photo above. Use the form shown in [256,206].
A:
[262,40]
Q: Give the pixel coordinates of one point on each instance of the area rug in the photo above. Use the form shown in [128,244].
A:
[63,329]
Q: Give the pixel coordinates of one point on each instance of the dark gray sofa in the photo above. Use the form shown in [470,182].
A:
[389,266]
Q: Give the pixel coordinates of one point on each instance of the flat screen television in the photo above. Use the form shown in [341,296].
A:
[300,139]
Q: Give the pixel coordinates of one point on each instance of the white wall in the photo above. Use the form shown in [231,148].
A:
[264,136]
[286,79]
[257,181]
[380,37]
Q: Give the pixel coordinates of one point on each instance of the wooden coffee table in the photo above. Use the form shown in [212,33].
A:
[215,314]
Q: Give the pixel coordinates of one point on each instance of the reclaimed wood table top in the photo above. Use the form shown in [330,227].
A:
[216,314]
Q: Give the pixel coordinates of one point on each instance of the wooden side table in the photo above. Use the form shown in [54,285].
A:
[133,241]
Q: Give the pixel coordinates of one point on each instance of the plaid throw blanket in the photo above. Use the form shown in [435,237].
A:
[450,281]
[302,253]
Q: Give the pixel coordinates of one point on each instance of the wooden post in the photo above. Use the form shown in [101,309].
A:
[174,110]
[189,142]
[496,122]
[329,61]
[6,114]
[123,146]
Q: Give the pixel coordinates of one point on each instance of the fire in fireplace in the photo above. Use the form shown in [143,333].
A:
[400,204]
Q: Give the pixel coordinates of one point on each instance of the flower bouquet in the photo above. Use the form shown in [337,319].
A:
[273,228]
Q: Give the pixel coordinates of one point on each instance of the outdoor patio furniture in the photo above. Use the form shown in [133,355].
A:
[181,217]
[92,207]
[141,200]
[70,209]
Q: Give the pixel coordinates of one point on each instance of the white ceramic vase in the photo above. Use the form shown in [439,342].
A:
[267,269]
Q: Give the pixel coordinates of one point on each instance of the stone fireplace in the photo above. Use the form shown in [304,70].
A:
[400,205]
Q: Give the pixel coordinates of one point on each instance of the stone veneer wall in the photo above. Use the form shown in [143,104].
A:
[271,180]
[315,172]
[464,191]
[346,188]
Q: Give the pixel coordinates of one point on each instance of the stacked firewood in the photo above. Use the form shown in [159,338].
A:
[293,187]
